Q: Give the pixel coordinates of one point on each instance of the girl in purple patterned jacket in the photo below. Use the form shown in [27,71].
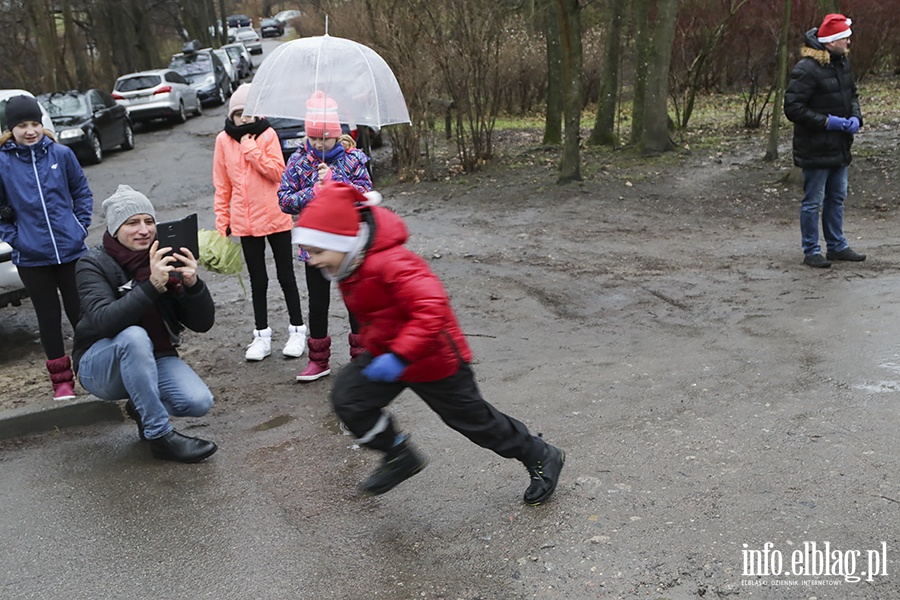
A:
[323,157]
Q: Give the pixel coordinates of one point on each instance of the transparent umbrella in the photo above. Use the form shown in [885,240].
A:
[353,75]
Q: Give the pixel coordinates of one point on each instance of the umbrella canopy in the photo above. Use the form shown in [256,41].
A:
[354,76]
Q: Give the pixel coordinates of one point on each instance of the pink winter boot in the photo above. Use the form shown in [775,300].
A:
[63,379]
[319,353]
[356,347]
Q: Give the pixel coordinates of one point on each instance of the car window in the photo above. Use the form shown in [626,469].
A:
[175,77]
[105,98]
[140,82]
[96,102]
[65,105]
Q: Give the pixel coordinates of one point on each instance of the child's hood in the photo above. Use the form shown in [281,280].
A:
[386,228]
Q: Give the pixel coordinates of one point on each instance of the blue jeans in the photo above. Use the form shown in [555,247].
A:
[824,190]
[124,367]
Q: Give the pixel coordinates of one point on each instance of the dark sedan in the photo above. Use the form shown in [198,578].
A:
[271,28]
[89,122]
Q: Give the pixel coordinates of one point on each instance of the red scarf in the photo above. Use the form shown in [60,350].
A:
[136,264]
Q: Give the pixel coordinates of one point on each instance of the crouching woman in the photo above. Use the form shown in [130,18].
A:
[134,303]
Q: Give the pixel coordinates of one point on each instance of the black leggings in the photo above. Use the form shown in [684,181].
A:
[319,289]
[255,256]
[42,284]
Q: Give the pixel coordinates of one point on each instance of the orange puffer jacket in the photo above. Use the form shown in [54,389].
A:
[246,176]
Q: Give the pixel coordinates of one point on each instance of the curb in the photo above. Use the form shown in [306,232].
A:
[52,415]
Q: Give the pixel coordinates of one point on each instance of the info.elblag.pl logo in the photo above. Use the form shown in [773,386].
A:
[813,560]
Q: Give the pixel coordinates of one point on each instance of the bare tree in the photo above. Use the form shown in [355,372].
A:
[777,109]
[569,15]
[641,12]
[655,136]
[604,132]
[554,111]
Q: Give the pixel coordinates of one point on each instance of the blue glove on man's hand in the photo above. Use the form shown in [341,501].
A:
[837,123]
[852,125]
[386,367]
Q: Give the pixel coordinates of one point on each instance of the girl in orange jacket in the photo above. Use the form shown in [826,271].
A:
[247,169]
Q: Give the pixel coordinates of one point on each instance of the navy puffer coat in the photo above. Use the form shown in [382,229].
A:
[821,84]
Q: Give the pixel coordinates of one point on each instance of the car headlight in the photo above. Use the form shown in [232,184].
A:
[70,134]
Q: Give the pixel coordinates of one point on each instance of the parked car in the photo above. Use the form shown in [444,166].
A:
[206,74]
[229,68]
[89,122]
[271,27]
[286,16]
[238,21]
[11,289]
[250,39]
[157,94]
[6,95]
[241,58]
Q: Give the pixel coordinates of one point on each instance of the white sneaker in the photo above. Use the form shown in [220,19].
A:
[261,346]
[296,344]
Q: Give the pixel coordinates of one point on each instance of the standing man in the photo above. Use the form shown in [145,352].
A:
[134,304]
[822,102]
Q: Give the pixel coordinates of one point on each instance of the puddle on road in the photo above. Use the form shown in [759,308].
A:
[274,422]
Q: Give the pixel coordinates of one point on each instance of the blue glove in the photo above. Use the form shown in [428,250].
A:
[837,123]
[852,125]
[386,367]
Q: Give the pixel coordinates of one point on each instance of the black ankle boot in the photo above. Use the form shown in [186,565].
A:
[181,448]
[132,411]
[400,463]
[544,475]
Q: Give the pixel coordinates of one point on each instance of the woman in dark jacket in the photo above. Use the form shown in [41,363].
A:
[135,303]
[45,212]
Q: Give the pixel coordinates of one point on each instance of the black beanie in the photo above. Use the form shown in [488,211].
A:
[22,108]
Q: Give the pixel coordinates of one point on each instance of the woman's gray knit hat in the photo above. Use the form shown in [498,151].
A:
[123,205]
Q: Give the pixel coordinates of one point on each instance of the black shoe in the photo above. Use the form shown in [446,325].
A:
[544,475]
[132,411]
[181,448]
[847,253]
[816,261]
[400,463]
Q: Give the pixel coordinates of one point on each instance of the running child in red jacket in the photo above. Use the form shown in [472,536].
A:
[412,340]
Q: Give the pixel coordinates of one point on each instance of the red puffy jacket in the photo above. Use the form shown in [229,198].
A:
[401,304]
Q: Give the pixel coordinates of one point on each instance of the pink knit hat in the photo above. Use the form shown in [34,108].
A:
[322,117]
[238,99]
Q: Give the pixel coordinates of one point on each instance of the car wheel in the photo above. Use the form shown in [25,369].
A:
[199,110]
[128,144]
[96,156]
[181,117]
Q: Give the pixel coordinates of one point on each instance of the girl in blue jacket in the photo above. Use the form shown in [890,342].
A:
[45,212]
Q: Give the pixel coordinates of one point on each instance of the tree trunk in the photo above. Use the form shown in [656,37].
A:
[641,11]
[778,106]
[655,136]
[553,121]
[604,132]
[570,38]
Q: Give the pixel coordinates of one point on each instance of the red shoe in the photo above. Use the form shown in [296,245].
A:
[313,371]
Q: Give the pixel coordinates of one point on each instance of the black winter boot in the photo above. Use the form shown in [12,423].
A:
[181,448]
[544,475]
[400,463]
[132,412]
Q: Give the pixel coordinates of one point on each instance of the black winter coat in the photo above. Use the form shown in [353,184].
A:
[821,84]
[109,304]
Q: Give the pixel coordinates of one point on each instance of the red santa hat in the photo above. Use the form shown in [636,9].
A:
[331,221]
[322,117]
[834,27]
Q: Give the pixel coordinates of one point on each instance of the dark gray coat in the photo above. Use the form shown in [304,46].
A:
[821,84]
[109,303]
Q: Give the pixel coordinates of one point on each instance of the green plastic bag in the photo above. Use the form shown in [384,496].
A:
[220,254]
